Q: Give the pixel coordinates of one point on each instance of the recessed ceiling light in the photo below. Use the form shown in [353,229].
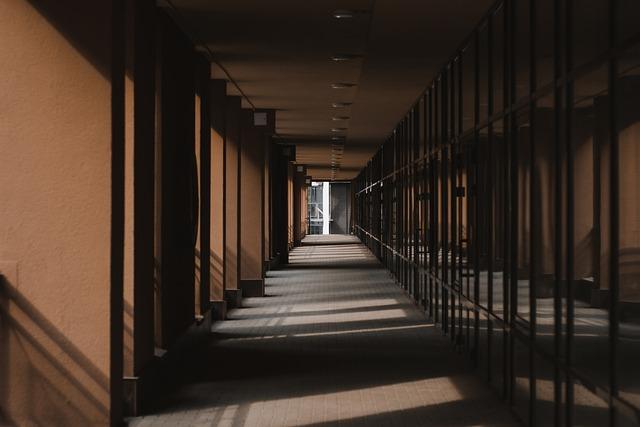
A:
[340,118]
[338,129]
[343,14]
[342,85]
[337,138]
[339,57]
[341,104]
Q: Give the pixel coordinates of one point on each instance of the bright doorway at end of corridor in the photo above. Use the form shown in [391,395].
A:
[329,208]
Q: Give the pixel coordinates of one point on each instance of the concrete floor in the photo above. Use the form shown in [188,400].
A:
[335,342]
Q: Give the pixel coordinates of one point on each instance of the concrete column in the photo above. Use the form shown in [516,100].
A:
[290,204]
[217,233]
[203,154]
[178,189]
[232,201]
[61,144]
[139,196]
[281,156]
[268,195]
[300,204]
[255,129]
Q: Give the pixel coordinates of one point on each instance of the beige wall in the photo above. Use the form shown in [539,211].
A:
[629,173]
[55,118]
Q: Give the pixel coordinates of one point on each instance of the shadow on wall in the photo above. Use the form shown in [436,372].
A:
[217,276]
[83,24]
[127,338]
[216,288]
[49,379]
[197,280]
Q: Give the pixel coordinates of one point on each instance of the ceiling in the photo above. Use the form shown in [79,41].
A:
[279,53]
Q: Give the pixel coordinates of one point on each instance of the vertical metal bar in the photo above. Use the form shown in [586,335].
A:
[506,208]
[533,226]
[445,208]
[568,135]
[557,296]
[425,201]
[417,191]
[451,178]
[614,208]
[513,170]
[489,196]
[476,200]
[431,206]
[436,172]
[406,213]
[453,198]
[458,158]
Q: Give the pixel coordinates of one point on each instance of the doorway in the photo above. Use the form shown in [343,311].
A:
[329,208]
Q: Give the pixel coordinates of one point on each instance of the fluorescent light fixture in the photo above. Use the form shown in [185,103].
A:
[340,57]
[343,14]
[341,104]
[339,118]
[342,85]
[338,129]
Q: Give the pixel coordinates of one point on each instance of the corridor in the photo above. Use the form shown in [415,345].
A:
[334,342]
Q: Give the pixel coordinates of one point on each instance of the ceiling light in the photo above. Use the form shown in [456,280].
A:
[339,57]
[337,138]
[338,129]
[342,85]
[339,118]
[341,104]
[343,14]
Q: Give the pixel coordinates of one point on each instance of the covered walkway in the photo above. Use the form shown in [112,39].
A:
[334,342]
[166,163]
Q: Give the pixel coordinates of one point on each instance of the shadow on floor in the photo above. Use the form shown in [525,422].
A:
[333,344]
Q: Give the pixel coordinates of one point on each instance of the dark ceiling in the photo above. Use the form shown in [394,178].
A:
[279,53]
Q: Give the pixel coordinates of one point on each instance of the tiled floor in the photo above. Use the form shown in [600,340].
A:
[335,342]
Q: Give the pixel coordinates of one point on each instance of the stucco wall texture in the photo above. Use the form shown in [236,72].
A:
[55,196]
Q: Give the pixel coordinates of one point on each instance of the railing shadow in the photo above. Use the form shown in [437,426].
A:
[44,375]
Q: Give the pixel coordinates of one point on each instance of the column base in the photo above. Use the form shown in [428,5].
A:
[142,393]
[233,297]
[252,287]
[218,310]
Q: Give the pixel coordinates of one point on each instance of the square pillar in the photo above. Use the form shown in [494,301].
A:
[232,200]
[217,100]
[299,204]
[256,127]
